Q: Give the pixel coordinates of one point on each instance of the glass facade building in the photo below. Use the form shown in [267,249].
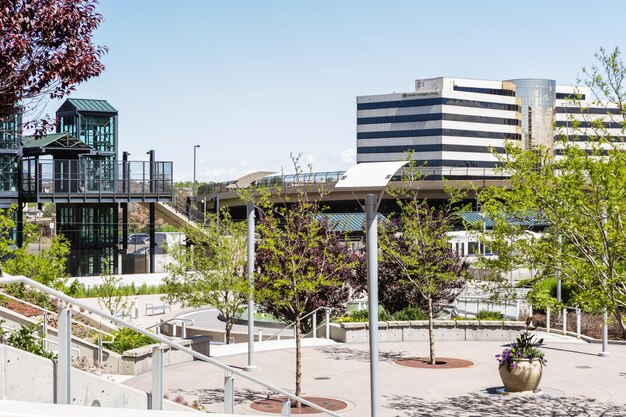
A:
[538,104]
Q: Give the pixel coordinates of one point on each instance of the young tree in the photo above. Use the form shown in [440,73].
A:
[112,297]
[212,270]
[302,263]
[417,244]
[580,194]
[46,49]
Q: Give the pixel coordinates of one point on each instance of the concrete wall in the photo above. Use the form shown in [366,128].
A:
[417,331]
[28,377]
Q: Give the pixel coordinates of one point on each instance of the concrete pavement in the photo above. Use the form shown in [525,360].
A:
[576,381]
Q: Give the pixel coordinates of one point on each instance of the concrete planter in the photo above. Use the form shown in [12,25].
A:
[525,375]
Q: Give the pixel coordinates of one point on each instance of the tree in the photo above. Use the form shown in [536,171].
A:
[416,242]
[46,49]
[212,270]
[579,193]
[112,297]
[302,263]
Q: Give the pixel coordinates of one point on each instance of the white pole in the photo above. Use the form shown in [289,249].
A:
[605,335]
[64,363]
[372,296]
[157,378]
[250,367]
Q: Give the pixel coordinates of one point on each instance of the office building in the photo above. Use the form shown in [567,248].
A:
[453,125]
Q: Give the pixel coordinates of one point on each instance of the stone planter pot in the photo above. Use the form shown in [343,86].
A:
[524,376]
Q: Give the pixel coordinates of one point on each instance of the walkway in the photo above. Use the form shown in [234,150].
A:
[576,381]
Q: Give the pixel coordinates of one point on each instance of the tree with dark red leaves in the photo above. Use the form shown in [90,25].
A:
[302,264]
[46,49]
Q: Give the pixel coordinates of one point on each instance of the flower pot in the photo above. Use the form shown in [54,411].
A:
[525,375]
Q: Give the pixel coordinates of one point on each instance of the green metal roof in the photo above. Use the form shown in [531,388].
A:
[65,140]
[89,105]
[347,222]
[525,220]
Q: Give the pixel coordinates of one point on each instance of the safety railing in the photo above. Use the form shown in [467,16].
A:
[63,370]
[563,315]
[97,178]
[511,309]
[314,327]
[183,325]
[44,328]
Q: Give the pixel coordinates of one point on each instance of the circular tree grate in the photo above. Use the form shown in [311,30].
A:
[274,405]
[441,363]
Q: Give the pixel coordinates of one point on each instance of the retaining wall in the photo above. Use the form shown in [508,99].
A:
[417,331]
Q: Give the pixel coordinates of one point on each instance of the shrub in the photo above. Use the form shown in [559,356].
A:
[363,315]
[410,313]
[489,315]
[127,339]
[23,339]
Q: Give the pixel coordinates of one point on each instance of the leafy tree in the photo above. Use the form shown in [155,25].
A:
[580,194]
[302,263]
[212,270]
[113,297]
[46,49]
[417,244]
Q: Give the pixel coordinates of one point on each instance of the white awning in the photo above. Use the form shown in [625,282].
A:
[248,179]
[370,175]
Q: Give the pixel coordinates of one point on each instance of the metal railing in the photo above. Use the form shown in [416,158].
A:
[183,324]
[314,326]
[63,373]
[331,177]
[44,328]
[78,177]
[563,314]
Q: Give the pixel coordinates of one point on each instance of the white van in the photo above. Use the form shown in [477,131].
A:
[168,240]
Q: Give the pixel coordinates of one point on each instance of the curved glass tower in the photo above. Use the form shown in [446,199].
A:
[538,104]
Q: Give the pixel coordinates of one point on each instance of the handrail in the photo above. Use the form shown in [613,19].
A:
[182,319]
[328,309]
[231,370]
[54,312]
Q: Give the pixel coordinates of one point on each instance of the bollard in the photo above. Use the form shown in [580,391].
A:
[564,321]
[578,320]
[136,303]
[548,320]
[260,335]
[183,325]
[314,318]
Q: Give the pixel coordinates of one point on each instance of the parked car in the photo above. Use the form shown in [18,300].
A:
[138,238]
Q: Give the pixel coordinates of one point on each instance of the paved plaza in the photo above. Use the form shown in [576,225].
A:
[576,381]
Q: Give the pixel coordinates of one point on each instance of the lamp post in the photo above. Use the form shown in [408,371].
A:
[195,148]
[371,176]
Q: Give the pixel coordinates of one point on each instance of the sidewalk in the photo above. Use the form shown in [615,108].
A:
[575,379]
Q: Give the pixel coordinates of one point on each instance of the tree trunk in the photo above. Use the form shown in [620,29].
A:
[227,328]
[431,330]
[298,360]
[620,322]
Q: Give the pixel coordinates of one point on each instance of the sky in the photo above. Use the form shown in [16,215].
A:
[252,82]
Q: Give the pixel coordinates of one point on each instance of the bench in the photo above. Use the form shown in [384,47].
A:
[153,309]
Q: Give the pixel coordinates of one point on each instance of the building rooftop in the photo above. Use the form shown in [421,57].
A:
[89,105]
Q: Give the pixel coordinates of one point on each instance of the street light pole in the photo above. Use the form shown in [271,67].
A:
[195,147]
[372,297]
[250,270]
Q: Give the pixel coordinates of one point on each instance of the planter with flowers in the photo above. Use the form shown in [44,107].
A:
[521,365]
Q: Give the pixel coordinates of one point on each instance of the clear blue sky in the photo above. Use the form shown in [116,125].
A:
[252,81]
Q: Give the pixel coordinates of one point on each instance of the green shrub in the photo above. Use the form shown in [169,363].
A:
[23,339]
[489,315]
[363,316]
[410,313]
[127,339]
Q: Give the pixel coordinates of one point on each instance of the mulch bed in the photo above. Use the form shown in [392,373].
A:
[21,308]
[274,405]
[442,363]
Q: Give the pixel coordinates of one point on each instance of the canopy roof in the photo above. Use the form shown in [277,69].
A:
[248,179]
[84,105]
[54,143]
[372,175]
